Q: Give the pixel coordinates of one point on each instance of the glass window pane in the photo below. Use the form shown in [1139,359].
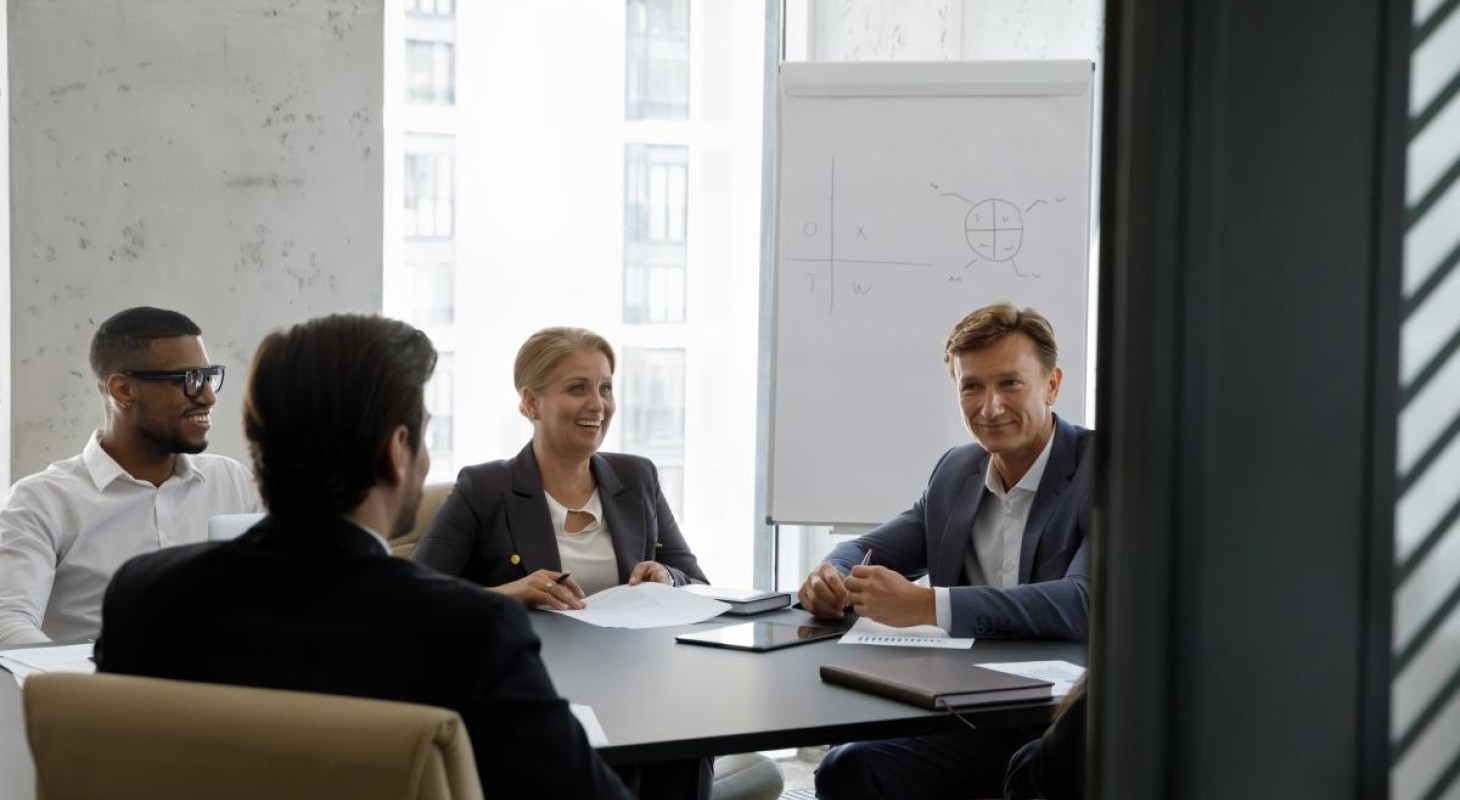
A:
[651,411]
[656,59]
[430,72]
[429,187]
[433,292]
[430,8]
[656,179]
[441,402]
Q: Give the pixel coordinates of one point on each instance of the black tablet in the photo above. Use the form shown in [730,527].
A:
[759,636]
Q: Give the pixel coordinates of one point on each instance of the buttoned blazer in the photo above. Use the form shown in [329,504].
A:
[321,607]
[494,526]
[1051,600]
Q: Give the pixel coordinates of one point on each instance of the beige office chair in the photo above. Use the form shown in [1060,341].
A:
[117,737]
[432,496]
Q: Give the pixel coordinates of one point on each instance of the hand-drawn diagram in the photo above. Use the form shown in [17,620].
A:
[810,229]
[994,228]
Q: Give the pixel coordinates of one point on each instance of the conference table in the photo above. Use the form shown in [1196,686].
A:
[657,699]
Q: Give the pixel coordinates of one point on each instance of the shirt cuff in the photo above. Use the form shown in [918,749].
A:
[943,607]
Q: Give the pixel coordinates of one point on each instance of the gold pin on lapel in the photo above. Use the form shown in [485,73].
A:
[516,559]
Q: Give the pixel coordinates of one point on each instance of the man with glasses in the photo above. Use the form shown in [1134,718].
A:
[138,486]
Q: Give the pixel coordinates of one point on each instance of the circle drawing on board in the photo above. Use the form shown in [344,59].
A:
[809,229]
[995,230]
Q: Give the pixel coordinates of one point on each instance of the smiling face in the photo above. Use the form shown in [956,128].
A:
[1007,400]
[161,413]
[572,412]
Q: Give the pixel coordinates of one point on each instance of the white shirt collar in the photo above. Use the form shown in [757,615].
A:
[384,545]
[1031,479]
[104,469]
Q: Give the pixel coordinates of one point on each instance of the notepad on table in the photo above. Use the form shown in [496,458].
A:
[865,631]
[937,682]
[23,662]
[742,602]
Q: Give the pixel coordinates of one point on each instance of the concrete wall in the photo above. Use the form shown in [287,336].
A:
[220,158]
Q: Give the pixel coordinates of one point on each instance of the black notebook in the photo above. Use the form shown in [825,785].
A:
[938,682]
[742,602]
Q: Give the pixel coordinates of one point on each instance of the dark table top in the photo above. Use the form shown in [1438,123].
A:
[658,699]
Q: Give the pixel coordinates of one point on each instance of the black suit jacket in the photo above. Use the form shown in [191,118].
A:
[324,609]
[494,527]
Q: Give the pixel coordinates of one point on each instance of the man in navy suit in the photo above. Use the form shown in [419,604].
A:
[1002,535]
[311,599]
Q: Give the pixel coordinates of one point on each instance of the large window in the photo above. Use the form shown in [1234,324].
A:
[597,164]
[656,59]
[656,186]
[651,414]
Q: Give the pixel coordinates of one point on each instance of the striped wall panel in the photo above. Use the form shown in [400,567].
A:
[1426,697]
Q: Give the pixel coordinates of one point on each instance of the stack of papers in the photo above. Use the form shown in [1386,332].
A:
[648,605]
[1062,674]
[27,661]
[865,631]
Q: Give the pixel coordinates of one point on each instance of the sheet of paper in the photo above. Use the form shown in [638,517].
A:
[589,721]
[23,662]
[648,605]
[865,631]
[1062,673]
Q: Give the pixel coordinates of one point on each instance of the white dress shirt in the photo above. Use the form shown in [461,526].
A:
[992,558]
[65,531]
[588,554]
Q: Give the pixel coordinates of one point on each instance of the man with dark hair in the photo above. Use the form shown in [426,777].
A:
[1001,533]
[311,599]
[137,486]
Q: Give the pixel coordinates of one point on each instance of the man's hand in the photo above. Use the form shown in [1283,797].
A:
[824,593]
[886,597]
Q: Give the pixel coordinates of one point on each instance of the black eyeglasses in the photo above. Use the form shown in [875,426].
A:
[193,380]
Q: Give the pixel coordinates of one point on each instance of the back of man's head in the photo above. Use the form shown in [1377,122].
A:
[126,336]
[323,400]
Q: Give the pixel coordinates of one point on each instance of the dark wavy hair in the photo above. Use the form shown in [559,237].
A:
[323,400]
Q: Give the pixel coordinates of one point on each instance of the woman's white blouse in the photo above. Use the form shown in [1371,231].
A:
[588,554]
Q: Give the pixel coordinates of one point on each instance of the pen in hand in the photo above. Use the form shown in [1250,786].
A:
[866,558]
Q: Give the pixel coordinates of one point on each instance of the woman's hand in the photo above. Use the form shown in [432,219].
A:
[651,571]
[543,588]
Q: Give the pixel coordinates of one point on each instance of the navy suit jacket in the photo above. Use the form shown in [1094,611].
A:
[494,526]
[323,608]
[1052,600]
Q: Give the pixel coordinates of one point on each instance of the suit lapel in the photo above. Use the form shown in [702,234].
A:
[625,519]
[958,532]
[1058,472]
[528,522]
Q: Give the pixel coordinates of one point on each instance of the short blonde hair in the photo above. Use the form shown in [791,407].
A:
[989,324]
[545,350]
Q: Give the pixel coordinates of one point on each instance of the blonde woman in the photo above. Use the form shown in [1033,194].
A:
[560,508]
